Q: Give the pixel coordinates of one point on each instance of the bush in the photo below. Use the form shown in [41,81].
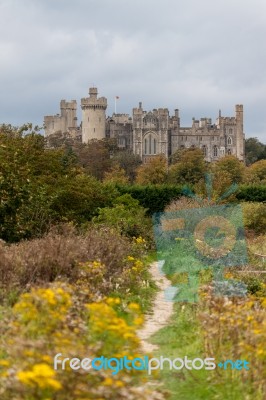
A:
[152,197]
[54,320]
[251,193]
[58,254]
[255,216]
[78,199]
[127,217]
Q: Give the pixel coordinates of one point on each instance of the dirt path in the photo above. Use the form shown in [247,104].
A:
[162,311]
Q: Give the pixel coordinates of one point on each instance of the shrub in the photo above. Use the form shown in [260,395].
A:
[234,329]
[256,173]
[53,320]
[78,199]
[127,217]
[251,193]
[154,198]
[255,216]
[58,255]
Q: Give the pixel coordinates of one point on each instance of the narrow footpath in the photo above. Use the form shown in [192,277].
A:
[162,311]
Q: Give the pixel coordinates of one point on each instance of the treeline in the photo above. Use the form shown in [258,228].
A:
[41,187]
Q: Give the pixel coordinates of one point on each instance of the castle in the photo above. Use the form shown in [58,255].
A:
[148,133]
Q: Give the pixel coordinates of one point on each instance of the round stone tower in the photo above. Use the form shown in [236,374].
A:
[93,116]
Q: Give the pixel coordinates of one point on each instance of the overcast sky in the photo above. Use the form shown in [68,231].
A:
[198,56]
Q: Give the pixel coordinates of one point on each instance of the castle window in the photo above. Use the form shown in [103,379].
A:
[229,140]
[204,149]
[94,129]
[229,152]
[230,131]
[215,151]
[200,138]
[100,120]
[88,119]
[150,145]
[186,138]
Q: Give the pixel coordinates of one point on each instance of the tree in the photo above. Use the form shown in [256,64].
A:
[116,175]
[189,166]
[155,171]
[94,157]
[255,150]
[231,166]
[129,162]
[256,173]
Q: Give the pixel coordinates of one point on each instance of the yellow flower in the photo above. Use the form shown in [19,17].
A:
[138,321]
[113,300]
[108,382]
[41,375]
[133,307]
[119,383]
[4,363]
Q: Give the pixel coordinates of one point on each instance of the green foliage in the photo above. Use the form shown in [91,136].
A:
[254,150]
[78,199]
[116,175]
[153,172]
[95,156]
[254,285]
[254,193]
[188,168]
[255,216]
[231,166]
[154,198]
[256,173]
[127,217]
[40,187]
[129,162]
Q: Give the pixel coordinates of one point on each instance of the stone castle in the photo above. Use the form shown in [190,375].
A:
[149,133]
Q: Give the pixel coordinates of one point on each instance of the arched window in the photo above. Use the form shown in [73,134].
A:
[215,151]
[204,149]
[150,144]
[229,141]
[229,152]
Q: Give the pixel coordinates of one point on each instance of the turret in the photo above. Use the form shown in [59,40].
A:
[240,137]
[93,116]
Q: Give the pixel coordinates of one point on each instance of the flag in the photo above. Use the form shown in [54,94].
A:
[117,97]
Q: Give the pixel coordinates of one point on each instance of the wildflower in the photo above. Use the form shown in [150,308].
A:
[134,307]
[41,375]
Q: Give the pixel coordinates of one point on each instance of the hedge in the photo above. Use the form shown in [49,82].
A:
[152,197]
[254,193]
[156,197]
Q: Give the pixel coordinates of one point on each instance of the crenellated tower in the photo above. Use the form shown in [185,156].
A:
[93,116]
[240,136]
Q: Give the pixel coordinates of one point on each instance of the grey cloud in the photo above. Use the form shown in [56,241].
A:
[197,56]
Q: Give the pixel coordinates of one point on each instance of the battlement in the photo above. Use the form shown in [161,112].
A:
[93,102]
[68,105]
[148,133]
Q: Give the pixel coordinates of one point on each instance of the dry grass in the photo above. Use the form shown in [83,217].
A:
[58,254]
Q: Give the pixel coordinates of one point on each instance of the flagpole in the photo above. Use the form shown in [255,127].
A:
[115,104]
